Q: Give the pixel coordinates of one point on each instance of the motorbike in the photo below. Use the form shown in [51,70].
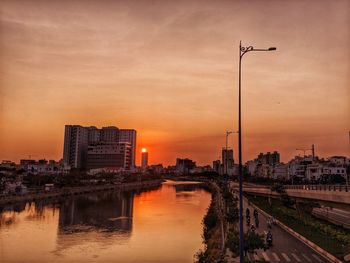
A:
[252,228]
[247,212]
[256,215]
[257,223]
[269,240]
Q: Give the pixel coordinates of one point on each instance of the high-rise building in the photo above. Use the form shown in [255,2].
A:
[217,166]
[94,135]
[110,134]
[227,159]
[75,146]
[129,135]
[112,155]
[144,158]
[78,138]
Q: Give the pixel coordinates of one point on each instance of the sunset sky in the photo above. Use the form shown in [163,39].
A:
[169,69]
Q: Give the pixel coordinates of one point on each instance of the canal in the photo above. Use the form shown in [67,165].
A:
[159,225]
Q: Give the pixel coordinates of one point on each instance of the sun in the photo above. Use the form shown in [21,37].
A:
[144,150]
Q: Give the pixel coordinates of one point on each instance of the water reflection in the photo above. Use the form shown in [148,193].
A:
[151,226]
[104,212]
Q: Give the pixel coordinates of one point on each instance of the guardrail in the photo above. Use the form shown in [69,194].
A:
[319,187]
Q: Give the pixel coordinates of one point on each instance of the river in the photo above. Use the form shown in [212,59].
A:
[159,225]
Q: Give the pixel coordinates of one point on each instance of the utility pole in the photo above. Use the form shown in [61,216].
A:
[242,51]
[305,150]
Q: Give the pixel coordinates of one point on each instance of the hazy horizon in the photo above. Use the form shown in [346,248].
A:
[169,69]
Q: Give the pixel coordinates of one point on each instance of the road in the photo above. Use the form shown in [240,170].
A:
[286,248]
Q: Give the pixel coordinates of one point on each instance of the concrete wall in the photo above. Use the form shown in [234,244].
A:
[331,196]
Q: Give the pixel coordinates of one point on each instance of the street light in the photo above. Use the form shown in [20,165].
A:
[242,51]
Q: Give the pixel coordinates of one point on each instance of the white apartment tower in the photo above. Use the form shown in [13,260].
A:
[129,135]
[77,139]
[75,146]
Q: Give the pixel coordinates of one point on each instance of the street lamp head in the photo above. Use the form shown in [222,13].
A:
[272,49]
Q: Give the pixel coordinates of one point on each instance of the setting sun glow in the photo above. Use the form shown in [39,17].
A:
[144,150]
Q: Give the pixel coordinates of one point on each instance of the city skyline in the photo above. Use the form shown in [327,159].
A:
[170,71]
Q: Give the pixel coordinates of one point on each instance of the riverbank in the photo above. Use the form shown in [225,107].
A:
[214,227]
[69,191]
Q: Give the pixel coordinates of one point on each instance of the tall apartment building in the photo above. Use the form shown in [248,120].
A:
[129,135]
[227,159]
[144,159]
[109,134]
[94,135]
[75,146]
[77,139]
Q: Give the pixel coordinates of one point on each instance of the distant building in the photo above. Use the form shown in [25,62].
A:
[264,165]
[251,166]
[109,155]
[75,146]
[43,166]
[184,165]
[339,160]
[227,159]
[78,138]
[129,135]
[94,135]
[269,158]
[110,134]
[279,172]
[201,169]
[144,159]
[217,166]
[297,167]
[156,169]
[8,164]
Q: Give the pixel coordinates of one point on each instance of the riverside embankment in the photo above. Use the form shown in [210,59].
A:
[68,191]
[215,227]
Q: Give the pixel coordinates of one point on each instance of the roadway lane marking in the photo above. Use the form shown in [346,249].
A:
[306,257]
[296,257]
[256,257]
[266,257]
[285,257]
[275,256]
[318,259]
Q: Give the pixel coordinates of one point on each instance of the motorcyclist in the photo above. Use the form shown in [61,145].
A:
[256,213]
[252,228]
[269,223]
[273,221]
[247,212]
[269,238]
[257,222]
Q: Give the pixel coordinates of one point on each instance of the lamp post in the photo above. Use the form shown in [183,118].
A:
[242,52]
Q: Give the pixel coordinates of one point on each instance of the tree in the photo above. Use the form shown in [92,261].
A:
[254,241]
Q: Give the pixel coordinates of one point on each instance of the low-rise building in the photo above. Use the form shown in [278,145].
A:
[112,155]
[280,172]
[183,166]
